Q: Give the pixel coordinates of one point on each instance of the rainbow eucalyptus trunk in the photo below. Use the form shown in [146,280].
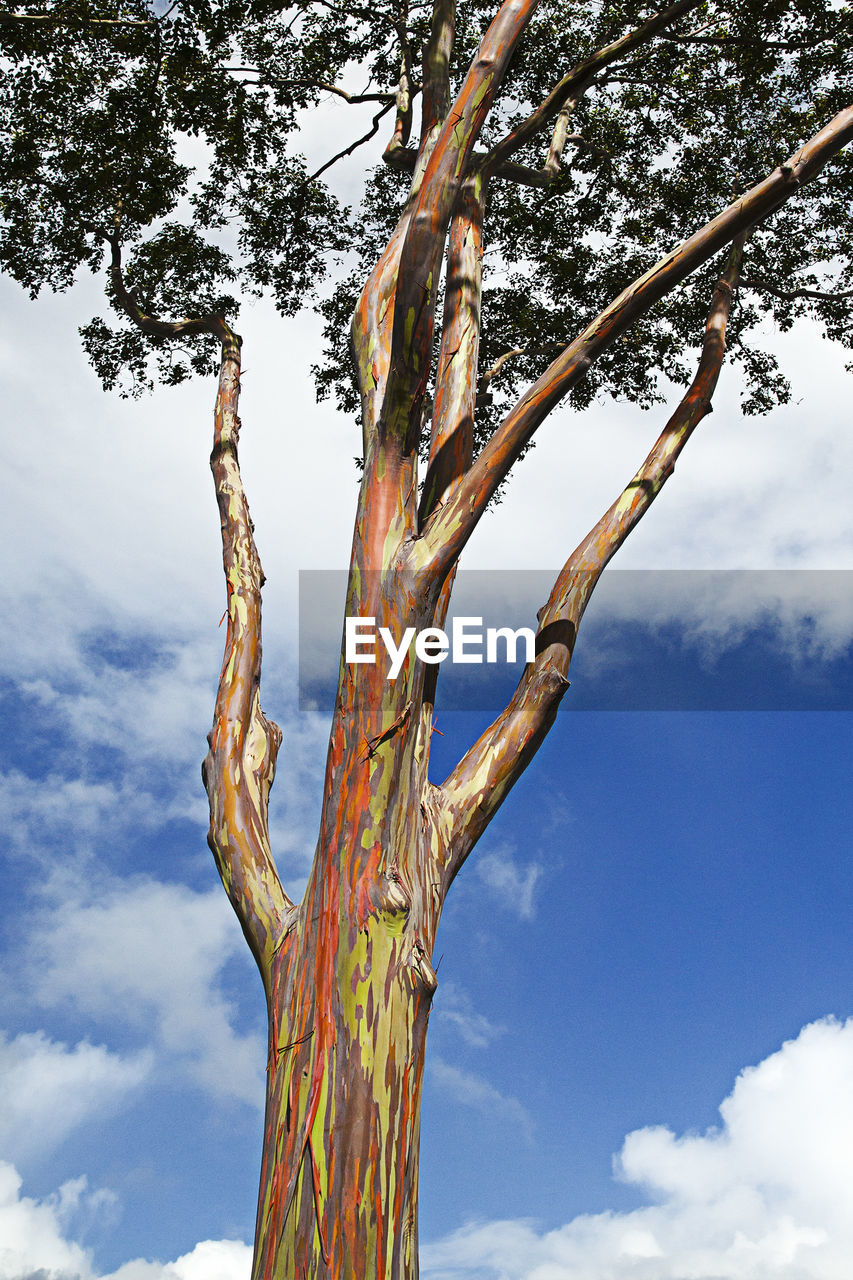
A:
[348,972]
[350,994]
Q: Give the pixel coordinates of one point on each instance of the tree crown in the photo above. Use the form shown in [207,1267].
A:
[167,141]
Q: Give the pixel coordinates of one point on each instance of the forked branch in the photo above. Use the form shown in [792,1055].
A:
[575,83]
[451,526]
[423,244]
[478,785]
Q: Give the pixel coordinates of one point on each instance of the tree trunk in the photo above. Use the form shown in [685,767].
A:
[351,982]
[339,1179]
[348,973]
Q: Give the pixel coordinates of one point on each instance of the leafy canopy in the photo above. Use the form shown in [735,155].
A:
[169,137]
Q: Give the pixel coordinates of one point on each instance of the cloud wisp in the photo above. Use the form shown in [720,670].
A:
[510,883]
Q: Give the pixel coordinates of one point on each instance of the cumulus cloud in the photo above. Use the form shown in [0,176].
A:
[151,957]
[33,1232]
[767,1195]
[37,1240]
[51,1089]
[209,1260]
[510,883]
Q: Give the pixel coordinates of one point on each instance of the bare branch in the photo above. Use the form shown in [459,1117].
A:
[448,531]
[478,785]
[354,99]
[78,19]
[240,765]
[359,142]
[576,82]
[489,375]
[819,295]
[239,768]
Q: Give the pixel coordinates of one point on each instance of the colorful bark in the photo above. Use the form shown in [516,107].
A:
[240,765]
[348,972]
[452,428]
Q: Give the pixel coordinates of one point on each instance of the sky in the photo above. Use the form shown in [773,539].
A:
[640,1059]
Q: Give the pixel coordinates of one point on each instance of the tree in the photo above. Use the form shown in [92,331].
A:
[692,124]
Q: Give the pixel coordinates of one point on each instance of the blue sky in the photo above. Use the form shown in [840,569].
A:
[657,924]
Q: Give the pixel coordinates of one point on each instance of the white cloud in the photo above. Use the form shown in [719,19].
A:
[150,956]
[809,613]
[784,502]
[766,1196]
[209,1260]
[37,1240]
[53,811]
[508,881]
[33,1232]
[49,1089]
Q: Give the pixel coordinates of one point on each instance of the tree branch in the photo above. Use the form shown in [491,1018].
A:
[423,244]
[819,295]
[488,376]
[576,82]
[450,527]
[436,67]
[359,142]
[480,782]
[452,430]
[78,19]
[239,768]
[153,325]
[786,46]
[354,99]
[406,158]
[403,100]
